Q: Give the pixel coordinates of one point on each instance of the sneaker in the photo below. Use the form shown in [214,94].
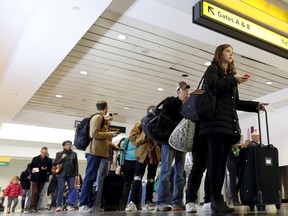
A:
[163,207]
[59,209]
[149,207]
[191,207]
[207,207]
[131,207]
[178,207]
[70,208]
[85,209]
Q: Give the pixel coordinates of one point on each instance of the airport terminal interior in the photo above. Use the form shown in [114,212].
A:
[58,58]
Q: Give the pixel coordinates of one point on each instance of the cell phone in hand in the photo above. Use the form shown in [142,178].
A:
[246,76]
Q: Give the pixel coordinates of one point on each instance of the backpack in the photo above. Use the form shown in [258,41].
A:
[156,125]
[82,137]
[123,151]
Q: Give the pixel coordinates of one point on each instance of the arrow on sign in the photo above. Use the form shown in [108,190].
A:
[210,9]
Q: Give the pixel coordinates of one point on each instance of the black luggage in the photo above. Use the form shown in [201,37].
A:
[260,177]
[112,192]
[2,208]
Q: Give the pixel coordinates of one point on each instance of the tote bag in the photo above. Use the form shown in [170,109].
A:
[182,137]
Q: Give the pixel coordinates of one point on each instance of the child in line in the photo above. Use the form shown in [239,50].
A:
[12,191]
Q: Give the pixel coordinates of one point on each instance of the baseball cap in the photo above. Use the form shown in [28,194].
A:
[183,85]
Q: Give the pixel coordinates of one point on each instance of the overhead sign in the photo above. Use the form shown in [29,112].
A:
[223,21]
[4,161]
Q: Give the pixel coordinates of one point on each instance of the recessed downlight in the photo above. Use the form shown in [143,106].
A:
[269,83]
[84,72]
[121,37]
[126,108]
[160,89]
[58,96]
[76,8]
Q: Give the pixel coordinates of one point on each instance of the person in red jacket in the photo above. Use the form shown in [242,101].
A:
[12,191]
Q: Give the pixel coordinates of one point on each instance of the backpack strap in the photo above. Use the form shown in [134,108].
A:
[102,123]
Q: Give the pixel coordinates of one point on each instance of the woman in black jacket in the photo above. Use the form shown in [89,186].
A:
[223,130]
[69,161]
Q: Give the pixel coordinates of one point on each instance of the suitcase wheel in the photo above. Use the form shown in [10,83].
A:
[278,206]
[261,207]
[251,207]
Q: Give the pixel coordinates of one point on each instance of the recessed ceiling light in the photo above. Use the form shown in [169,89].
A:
[59,96]
[126,108]
[157,47]
[160,89]
[76,8]
[269,83]
[121,37]
[207,63]
[84,72]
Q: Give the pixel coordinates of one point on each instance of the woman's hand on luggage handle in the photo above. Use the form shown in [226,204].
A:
[261,106]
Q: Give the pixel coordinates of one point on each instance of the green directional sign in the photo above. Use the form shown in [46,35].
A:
[4,163]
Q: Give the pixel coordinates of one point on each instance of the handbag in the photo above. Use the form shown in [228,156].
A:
[182,137]
[57,168]
[201,104]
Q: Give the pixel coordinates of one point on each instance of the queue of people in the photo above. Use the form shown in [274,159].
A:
[216,139]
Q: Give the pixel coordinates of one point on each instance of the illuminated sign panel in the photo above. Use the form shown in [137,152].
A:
[242,29]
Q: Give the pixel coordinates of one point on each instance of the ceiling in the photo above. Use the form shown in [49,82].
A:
[162,45]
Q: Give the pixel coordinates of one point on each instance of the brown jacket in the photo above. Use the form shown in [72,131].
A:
[101,137]
[138,138]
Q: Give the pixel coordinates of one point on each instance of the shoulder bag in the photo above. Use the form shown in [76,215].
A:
[182,137]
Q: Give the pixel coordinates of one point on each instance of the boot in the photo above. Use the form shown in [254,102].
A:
[219,206]
[8,210]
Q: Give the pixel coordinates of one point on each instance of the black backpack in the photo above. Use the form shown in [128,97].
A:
[156,125]
[82,137]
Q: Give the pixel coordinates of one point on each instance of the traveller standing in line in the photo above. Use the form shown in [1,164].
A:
[171,107]
[148,155]
[96,150]
[223,130]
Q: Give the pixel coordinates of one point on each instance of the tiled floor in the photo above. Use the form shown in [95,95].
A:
[243,210]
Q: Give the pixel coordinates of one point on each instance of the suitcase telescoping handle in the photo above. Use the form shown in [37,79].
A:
[267,129]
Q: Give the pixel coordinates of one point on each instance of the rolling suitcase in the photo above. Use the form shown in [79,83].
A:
[112,192]
[260,178]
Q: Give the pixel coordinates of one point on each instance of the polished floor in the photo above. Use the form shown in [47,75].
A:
[243,210]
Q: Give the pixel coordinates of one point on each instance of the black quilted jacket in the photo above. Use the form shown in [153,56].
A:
[225,120]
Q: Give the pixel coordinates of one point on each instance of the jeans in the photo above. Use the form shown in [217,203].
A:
[43,197]
[200,163]
[168,154]
[93,163]
[61,187]
[137,182]
[54,197]
[14,199]
[26,193]
[102,172]
[219,146]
